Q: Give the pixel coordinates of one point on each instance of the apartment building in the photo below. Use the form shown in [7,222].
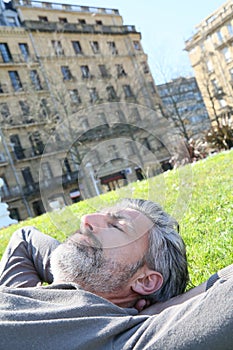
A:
[184,106]
[80,114]
[210,51]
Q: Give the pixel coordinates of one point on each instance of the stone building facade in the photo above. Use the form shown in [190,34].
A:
[80,114]
[210,51]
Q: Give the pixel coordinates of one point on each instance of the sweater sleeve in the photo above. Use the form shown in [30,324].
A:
[223,275]
[26,260]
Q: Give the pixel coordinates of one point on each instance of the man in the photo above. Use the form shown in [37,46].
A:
[120,260]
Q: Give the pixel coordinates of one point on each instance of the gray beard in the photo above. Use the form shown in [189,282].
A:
[86,265]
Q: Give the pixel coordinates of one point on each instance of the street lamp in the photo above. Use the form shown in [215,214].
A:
[89,166]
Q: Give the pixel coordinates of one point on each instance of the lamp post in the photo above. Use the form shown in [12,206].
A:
[89,166]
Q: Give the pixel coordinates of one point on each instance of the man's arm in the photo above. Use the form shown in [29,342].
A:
[26,260]
[222,275]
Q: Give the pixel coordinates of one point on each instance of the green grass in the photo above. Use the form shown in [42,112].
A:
[199,196]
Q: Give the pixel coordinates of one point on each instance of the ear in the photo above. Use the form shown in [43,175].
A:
[148,282]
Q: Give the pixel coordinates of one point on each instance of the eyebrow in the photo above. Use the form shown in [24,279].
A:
[118,216]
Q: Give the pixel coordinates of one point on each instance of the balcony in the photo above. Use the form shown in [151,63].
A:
[17,59]
[78,28]
[21,154]
[3,160]
[34,188]
[10,193]
[51,184]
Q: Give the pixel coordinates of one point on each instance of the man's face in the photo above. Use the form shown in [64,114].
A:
[123,235]
[108,250]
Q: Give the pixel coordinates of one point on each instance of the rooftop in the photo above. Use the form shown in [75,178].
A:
[64,7]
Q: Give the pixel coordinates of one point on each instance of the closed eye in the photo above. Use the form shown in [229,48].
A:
[118,227]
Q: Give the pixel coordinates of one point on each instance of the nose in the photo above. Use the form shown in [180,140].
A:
[94,222]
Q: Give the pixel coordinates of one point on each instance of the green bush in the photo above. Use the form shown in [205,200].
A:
[198,195]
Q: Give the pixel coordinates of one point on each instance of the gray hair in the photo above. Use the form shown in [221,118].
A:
[166,253]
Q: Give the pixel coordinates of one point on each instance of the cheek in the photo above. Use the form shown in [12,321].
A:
[127,254]
[111,240]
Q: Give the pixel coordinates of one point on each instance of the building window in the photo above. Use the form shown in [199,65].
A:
[43,18]
[230,29]
[24,107]
[103,70]
[222,103]
[57,47]
[66,73]
[95,46]
[27,176]
[152,87]
[226,53]
[102,118]
[98,22]
[14,214]
[4,110]
[111,93]
[128,91]
[231,73]
[5,53]
[120,116]
[24,51]
[12,21]
[137,45]
[77,47]
[220,37]
[47,172]
[38,206]
[82,21]
[135,115]
[35,80]
[66,166]
[112,48]
[145,67]
[129,148]
[74,96]
[215,84]
[17,147]
[146,146]
[36,143]
[93,95]
[63,20]
[209,66]
[85,124]
[85,72]
[112,150]
[44,108]
[120,70]
[15,80]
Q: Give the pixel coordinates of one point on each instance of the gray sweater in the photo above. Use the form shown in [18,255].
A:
[65,316]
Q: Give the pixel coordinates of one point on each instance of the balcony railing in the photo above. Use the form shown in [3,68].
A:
[64,7]
[26,153]
[10,193]
[17,58]
[34,188]
[78,28]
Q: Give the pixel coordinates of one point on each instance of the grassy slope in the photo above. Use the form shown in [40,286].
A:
[198,195]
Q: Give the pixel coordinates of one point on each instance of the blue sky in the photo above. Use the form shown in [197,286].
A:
[165,25]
